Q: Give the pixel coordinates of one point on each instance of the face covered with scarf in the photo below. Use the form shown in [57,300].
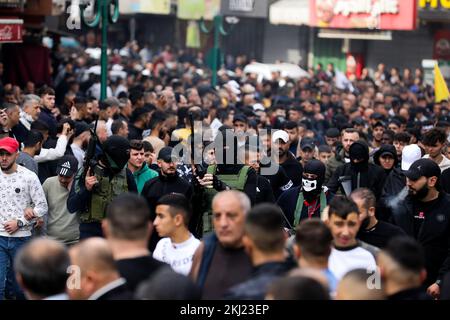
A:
[359,156]
[313,179]
[117,152]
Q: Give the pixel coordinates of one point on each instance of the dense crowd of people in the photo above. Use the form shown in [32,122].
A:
[169,188]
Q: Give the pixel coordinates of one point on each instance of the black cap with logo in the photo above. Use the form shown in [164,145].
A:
[423,168]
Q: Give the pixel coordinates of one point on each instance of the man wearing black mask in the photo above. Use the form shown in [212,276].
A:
[309,200]
[424,215]
[359,173]
[93,190]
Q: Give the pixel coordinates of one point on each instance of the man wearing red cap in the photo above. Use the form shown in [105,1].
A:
[22,201]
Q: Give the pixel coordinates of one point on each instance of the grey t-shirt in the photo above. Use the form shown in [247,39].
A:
[60,225]
[27,161]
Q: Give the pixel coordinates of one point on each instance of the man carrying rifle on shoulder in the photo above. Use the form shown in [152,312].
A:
[99,181]
[230,173]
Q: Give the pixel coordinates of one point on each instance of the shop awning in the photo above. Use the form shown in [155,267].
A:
[291,12]
[11,30]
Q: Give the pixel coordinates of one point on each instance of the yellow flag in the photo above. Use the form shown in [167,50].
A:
[440,86]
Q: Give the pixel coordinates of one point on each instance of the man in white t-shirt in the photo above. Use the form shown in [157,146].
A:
[347,253]
[178,245]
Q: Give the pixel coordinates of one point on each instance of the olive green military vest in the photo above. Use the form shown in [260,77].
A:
[103,194]
[234,181]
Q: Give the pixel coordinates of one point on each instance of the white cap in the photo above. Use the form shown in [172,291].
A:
[234,87]
[410,154]
[280,134]
[258,107]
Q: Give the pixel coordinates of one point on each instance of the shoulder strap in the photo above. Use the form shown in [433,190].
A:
[212,169]
[242,177]
[299,206]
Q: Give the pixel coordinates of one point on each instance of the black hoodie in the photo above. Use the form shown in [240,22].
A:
[361,175]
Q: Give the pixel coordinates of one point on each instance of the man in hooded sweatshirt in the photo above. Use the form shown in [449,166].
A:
[359,173]
[93,190]
[309,200]
[386,158]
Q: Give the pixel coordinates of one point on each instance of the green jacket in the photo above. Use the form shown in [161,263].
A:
[143,175]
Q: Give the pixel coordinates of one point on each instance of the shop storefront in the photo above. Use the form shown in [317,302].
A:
[353,34]
[435,16]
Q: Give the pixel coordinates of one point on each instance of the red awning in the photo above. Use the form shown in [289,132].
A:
[11,30]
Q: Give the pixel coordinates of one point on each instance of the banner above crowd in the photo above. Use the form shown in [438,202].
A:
[144,6]
[364,14]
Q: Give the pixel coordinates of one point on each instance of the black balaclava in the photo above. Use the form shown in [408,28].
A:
[117,152]
[312,188]
[359,151]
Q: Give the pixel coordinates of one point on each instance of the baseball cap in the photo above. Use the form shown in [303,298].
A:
[240,117]
[67,166]
[9,144]
[165,154]
[410,154]
[423,168]
[358,121]
[307,143]
[280,134]
[258,107]
[80,127]
[333,133]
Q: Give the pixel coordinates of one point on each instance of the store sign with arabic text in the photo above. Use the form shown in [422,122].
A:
[364,14]
[11,30]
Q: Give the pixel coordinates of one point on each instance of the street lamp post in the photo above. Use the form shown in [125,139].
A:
[218,29]
[102,17]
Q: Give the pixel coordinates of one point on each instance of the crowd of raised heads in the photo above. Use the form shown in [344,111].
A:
[315,188]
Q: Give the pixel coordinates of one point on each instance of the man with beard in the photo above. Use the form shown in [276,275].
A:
[31,147]
[80,141]
[22,202]
[309,200]
[167,182]
[348,137]
[424,215]
[285,158]
[359,173]
[372,231]
[279,180]
[93,190]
